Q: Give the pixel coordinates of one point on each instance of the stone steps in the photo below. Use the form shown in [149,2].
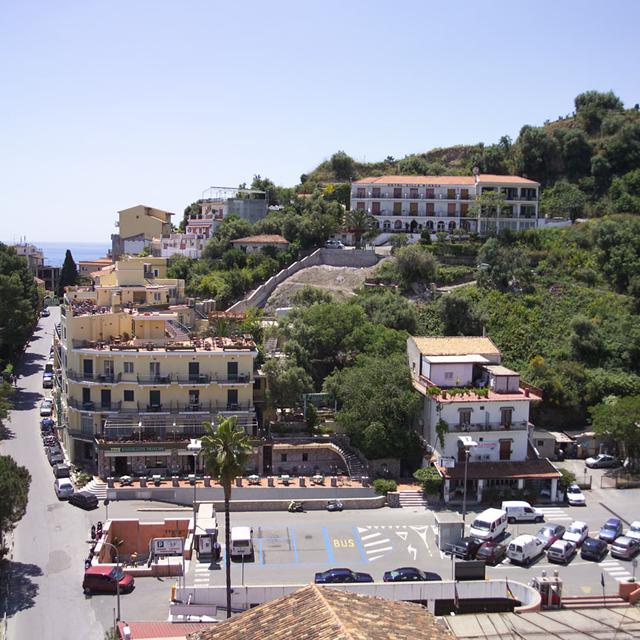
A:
[412,499]
[98,488]
[593,602]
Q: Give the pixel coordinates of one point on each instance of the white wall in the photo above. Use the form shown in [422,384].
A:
[462,373]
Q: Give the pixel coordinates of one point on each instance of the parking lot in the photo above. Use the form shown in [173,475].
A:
[290,548]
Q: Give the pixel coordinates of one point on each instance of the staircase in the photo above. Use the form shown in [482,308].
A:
[411,499]
[177,331]
[97,487]
[593,602]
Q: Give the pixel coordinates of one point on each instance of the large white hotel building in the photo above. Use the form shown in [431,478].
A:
[409,204]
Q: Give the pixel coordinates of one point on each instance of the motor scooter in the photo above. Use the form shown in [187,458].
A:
[295,507]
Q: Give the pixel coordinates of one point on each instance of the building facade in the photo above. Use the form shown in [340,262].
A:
[255,244]
[137,226]
[32,254]
[411,204]
[469,397]
[135,383]
[178,244]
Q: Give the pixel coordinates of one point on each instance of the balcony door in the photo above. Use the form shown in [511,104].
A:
[194,398]
[232,370]
[87,369]
[108,368]
[154,399]
[505,449]
[194,371]
[232,398]
[105,398]
[154,370]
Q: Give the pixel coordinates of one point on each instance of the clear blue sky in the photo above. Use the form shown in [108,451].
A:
[104,105]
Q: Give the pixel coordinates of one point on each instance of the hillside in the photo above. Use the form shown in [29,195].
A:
[594,149]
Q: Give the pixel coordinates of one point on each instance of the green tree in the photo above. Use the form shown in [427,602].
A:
[416,264]
[225,452]
[458,317]
[14,488]
[308,295]
[361,224]
[194,209]
[563,199]
[430,479]
[342,166]
[68,273]
[286,383]
[618,418]
[593,106]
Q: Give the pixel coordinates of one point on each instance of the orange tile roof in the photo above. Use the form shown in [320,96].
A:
[447,180]
[326,613]
[262,239]
[158,630]
[454,345]
[466,180]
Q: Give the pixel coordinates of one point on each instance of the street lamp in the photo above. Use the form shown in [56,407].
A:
[467,444]
[108,544]
[194,447]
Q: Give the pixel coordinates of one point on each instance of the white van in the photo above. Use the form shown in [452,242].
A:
[521,511]
[489,525]
[524,549]
[241,544]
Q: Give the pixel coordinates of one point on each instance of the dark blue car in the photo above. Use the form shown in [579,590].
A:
[341,576]
[610,530]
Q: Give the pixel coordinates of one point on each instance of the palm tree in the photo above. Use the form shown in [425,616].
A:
[361,224]
[225,453]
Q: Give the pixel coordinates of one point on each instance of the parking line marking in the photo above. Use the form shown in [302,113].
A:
[381,541]
[260,558]
[293,543]
[327,544]
[371,535]
[356,537]
[375,558]
[383,549]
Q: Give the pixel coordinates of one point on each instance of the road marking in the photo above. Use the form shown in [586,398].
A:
[260,555]
[371,535]
[327,544]
[585,590]
[356,537]
[375,558]
[383,549]
[362,529]
[381,541]
[412,551]
[402,534]
[293,544]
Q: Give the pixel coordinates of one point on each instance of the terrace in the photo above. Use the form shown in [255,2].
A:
[124,343]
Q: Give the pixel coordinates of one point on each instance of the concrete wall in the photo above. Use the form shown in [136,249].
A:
[429,592]
[332,257]
[137,535]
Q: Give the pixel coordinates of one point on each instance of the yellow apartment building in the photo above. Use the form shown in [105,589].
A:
[136,384]
[137,226]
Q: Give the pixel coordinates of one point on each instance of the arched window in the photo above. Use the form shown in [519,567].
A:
[440,225]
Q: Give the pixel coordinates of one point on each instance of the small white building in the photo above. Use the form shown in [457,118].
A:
[252,244]
[182,244]
[468,393]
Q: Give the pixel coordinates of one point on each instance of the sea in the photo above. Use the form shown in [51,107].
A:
[54,252]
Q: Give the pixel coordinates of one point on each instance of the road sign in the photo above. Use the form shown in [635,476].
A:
[167,546]
[448,463]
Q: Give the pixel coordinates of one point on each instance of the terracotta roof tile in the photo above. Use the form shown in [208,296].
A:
[485,470]
[448,180]
[327,613]
[156,630]
[455,345]
[262,239]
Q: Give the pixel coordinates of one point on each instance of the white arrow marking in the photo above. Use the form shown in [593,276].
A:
[412,551]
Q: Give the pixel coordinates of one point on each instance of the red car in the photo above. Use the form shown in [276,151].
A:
[104,579]
[492,553]
[550,533]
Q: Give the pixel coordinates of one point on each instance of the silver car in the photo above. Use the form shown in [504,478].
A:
[625,548]
[561,551]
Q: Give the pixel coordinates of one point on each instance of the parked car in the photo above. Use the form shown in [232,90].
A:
[335,505]
[594,549]
[84,500]
[63,488]
[575,497]
[47,380]
[410,574]
[105,579]
[340,576]
[46,408]
[45,313]
[634,530]
[576,532]
[55,456]
[561,551]
[550,533]
[625,548]
[333,244]
[466,548]
[524,549]
[492,553]
[610,530]
[47,423]
[521,511]
[61,470]
[602,461]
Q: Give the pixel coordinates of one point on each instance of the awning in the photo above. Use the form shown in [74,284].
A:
[502,469]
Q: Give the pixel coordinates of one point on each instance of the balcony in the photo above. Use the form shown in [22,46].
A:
[76,376]
[491,426]
[155,380]
[175,408]
[94,407]
[206,378]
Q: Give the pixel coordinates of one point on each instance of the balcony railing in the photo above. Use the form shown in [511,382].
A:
[421,196]
[175,408]
[206,378]
[491,426]
[95,407]
[76,376]
[154,380]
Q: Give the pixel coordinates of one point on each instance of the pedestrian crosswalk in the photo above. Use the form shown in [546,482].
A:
[555,514]
[615,570]
[374,543]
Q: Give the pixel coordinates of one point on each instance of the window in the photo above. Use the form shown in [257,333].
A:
[413,208]
[305,457]
[283,457]
[375,207]
[129,395]
[397,208]
[360,192]
[397,192]
[360,205]
[539,443]
[128,367]
[464,416]
[506,415]
[448,375]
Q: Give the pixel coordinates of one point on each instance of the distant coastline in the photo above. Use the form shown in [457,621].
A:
[54,251]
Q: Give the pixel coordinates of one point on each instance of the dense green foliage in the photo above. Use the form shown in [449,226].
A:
[19,304]
[619,419]
[430,480]
[14,489]
[382,486]
[68,273]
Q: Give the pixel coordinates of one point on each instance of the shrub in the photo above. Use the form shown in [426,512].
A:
[566,478]
[382,486]
[430,480]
